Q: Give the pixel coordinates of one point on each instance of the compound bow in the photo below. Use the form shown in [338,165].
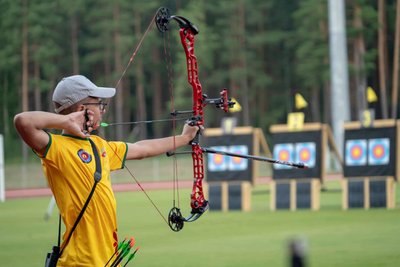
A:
[187,34]
[199,204]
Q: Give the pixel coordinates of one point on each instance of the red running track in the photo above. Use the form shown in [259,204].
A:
[40,192]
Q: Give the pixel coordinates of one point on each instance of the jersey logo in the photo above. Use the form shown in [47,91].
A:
[84,156]
[103,152]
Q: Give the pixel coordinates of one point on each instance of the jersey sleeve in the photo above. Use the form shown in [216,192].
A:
[47,147]
[117,152]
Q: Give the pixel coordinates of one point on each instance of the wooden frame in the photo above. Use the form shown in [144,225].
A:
[390,181]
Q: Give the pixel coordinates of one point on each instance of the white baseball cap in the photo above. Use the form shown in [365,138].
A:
[70,90]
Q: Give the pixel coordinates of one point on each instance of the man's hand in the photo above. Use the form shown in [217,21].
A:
[80,123]
[190,131]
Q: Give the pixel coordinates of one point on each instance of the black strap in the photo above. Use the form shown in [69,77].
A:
[59,229]
[97,178]
[97,173]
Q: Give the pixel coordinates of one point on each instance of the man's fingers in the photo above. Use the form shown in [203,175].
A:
[89,122]
[89,118]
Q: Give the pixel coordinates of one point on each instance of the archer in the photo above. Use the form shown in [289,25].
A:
[75,162]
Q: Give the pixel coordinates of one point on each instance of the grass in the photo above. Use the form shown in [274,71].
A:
[256,238]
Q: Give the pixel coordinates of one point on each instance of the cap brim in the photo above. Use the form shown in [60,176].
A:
[103,92]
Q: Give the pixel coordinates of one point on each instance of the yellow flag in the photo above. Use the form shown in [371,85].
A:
[371,96]
[237,107]
[300,102]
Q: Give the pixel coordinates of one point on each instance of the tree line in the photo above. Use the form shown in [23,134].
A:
[262,51]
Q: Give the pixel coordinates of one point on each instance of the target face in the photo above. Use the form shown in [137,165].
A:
[236,163]
[356,152]
[283,152]
[306,153]
[376,154]
[379,151]
[217,162]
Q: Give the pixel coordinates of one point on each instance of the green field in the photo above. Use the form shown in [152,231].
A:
[257,238]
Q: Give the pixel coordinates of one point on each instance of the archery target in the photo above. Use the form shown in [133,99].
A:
[236,163]
[306,153]
[356,152]
[217,162]
[379,151]
[226,168]
[283,152]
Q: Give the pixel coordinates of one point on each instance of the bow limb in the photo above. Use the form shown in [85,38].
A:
[187,35]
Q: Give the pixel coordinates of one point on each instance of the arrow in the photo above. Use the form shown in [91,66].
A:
[105,124]
[118,248]
[131,256]
[124,252]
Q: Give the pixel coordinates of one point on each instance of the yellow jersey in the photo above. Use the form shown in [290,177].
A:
[69,166]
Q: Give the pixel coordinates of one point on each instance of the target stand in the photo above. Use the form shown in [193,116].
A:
[368,192]
[294,188]
[295,194]
[226,196]
[371,164]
